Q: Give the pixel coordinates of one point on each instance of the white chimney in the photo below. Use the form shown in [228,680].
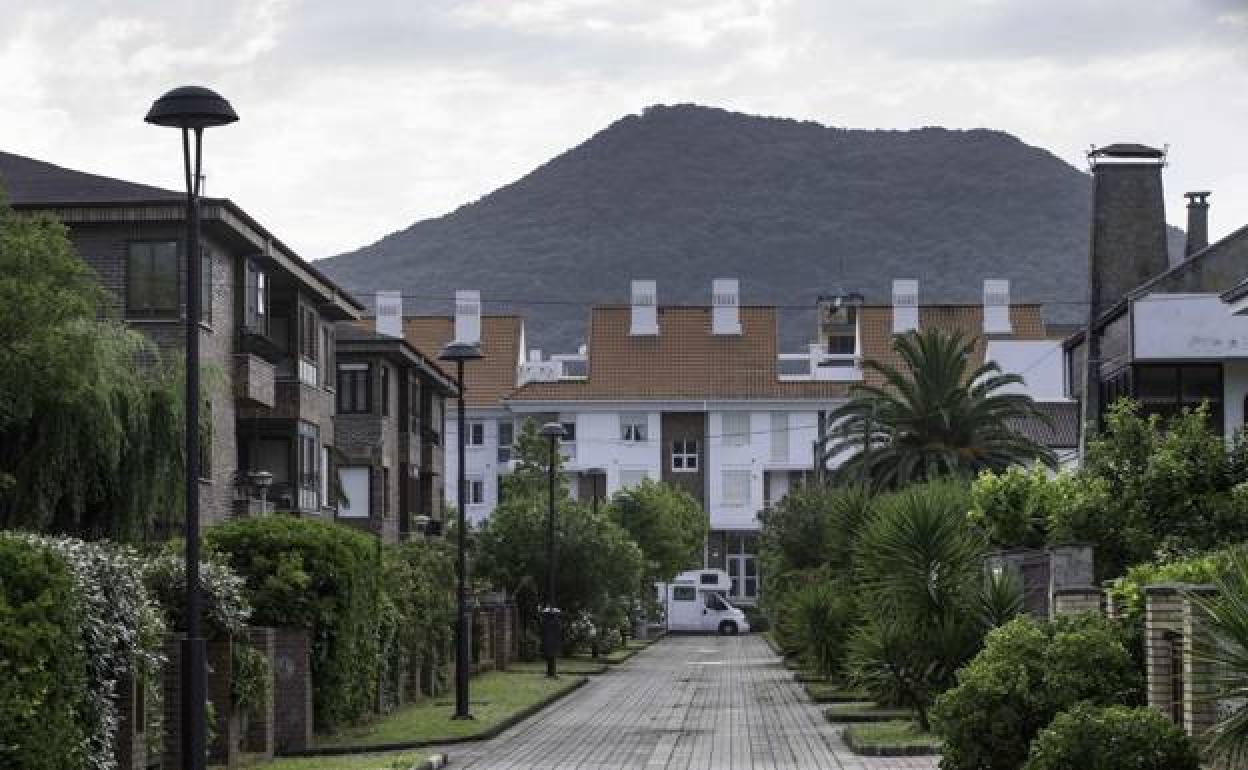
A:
[725,306]
[645,315]
[390,313]
[997,307]
[468,316]
[905,305]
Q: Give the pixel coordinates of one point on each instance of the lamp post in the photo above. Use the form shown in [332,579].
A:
[461,352]
[192,109]
[550,615]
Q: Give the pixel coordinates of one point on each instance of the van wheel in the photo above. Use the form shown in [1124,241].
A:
[727,628]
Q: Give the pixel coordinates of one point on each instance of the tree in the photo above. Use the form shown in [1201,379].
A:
[90,422]
[813,526]
[935,417]
[598,566]
[1152,487]
[666,523]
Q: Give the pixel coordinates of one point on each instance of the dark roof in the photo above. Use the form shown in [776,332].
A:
[1236,292]
[1127,150]
[35,182]
[1064,430]
[359,337]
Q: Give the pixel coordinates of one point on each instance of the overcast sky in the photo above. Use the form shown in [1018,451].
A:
[359,118]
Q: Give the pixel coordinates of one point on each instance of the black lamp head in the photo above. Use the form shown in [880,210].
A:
[553,430]
[191,107]
[460,351]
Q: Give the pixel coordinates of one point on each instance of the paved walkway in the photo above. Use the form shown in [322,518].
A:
[689,702]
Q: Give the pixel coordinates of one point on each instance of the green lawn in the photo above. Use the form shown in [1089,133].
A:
[495,697]
[402,760]
[575,666]
[896,737]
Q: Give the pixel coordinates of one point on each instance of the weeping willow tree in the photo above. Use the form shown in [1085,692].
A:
[90,418]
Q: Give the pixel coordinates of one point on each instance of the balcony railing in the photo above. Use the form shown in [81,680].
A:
[817,365]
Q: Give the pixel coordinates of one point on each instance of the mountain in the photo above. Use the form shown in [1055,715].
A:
[684,194]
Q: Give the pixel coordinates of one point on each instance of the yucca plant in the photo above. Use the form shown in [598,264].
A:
[1226,648]
[938,415]
[1001,599]
[822,615]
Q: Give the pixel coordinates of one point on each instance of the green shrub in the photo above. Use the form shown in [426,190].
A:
[43,667]
[1026,674]
[823,616]
[1012,507]
[757,619]
[1112,738]
[322,577]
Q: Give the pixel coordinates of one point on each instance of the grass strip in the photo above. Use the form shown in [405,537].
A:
[500,699]
[864,712]
[384,761]
[832,692]
[574,666]
[897,738]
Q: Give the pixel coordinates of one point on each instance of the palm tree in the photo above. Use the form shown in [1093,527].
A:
[1225,650]
[934,417]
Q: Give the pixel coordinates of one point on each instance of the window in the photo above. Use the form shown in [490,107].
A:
[569,432]
[205,441]
[779,437]
[357,488]
[385,390]
[685,454]
[205,286]
[632,478]
[736,487]
[684,593]
[308,335]
[326,469]
[413,405]
[476,491]
[353,387]
[1167,390]
[152,280]
[255,300]
[842,344]
[633,428]
[736,428]
[309,466]
[713,602]
[708,579]
[475,434]
[506,437]
[327,352]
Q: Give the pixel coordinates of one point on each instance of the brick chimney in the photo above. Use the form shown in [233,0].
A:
[1197,221]
[1128,221]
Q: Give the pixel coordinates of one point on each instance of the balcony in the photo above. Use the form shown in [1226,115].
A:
[817,365]
[255,380]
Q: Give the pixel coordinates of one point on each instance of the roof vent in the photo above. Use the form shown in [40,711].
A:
[1197,221]
[645,313]
[390,313]
[905,305]
[997,307]
[725,306]
[468,316]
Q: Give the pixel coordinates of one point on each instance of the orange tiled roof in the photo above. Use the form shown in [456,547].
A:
[489,380]
[686,361]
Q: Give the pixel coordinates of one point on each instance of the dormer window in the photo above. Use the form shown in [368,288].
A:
[838,323]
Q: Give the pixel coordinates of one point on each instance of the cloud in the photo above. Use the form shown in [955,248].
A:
[359,118]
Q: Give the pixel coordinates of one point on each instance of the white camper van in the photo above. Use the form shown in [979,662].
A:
[694,601]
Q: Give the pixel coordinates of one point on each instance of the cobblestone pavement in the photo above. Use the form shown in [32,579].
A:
[697,702]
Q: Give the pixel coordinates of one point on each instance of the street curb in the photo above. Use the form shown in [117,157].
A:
[485,735]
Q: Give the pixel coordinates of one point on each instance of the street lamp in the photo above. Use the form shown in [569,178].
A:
[460,352]
[550,615]
[192,109]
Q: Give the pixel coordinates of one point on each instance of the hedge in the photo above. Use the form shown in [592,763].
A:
[1112,738]
[43,667]
[322,577]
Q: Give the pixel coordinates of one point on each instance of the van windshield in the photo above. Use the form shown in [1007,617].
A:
[716,601]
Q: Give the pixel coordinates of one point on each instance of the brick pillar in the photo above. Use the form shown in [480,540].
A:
[1199,709]
[220,687]
[1163,630]
[131,741]
[171,686]
[258,737]
[1113,608]
[292,691]
[1076,600]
